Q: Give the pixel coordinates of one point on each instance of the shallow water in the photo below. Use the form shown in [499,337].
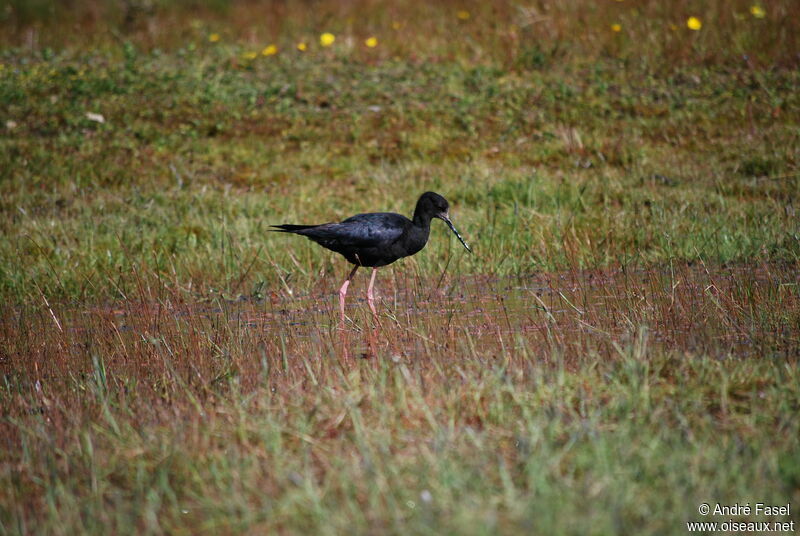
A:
[738,311]
[735,310]
[689,308]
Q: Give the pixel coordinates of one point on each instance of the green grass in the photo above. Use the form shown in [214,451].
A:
[548,454]
[576,165]
[621,347]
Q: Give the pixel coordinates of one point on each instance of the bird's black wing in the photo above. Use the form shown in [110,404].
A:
[378,229]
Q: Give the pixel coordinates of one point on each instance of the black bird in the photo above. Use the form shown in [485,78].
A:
[378,238]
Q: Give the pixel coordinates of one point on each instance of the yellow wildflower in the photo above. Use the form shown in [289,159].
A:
[301,46]
[270,50]
[616,27]
[213,38]
[371,42]
[757,11]
[693,23]
[249,55]
[327,39]
[463,14]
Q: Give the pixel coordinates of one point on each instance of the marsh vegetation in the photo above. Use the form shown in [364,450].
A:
[622,346]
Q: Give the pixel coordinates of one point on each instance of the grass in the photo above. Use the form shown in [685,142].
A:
[230,151]
[621,348]
[620,403]
[584,160]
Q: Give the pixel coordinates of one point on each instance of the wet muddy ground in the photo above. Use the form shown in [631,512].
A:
[689,308]
[740,311]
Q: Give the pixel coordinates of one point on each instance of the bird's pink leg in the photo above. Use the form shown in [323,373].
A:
[370,297]
[343,291]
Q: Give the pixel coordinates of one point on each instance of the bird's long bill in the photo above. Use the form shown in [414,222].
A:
[453,228]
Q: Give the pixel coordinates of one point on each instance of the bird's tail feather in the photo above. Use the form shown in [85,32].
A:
[289,228]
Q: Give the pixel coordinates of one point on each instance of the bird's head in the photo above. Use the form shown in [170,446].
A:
[436,206]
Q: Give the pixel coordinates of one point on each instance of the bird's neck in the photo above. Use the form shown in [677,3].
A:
[422,219]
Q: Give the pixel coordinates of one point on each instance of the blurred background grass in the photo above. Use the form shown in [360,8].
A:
[519,34]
